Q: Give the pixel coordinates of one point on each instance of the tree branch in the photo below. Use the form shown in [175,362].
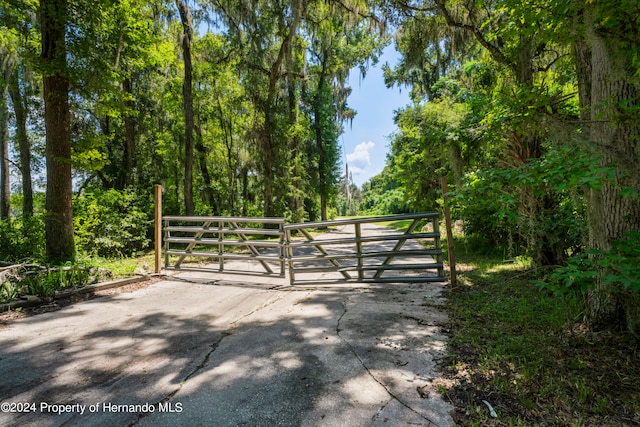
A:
[494,51]
[549,65]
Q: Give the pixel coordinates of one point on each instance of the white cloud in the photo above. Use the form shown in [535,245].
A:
[360,154]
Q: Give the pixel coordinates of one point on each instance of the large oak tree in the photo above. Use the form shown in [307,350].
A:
[613,76]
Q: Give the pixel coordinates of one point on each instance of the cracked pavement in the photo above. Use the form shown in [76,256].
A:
[230,353]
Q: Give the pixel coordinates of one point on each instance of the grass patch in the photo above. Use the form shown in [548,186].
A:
[528,354]
[125,267]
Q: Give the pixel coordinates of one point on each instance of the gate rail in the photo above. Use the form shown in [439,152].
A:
[366,258]
[257,241]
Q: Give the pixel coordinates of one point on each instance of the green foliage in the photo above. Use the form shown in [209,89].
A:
[485,210]
[21,238]
[419,151]
[45,283]
[577,276]
[384,195]
[391,201]
[111,223]
[618,20]
[489,202]
[35,280]
[622,262]
[619,268]
[9,291]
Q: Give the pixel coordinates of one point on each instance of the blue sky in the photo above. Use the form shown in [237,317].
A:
[366,143]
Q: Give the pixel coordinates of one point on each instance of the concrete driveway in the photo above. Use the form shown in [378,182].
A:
[198,350]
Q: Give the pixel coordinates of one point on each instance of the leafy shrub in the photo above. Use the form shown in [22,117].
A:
[538,204]
[9,290]
[487,214]
[32,279]
[620,267]
[51,280]
[389,202]
[110,223]
[21,238]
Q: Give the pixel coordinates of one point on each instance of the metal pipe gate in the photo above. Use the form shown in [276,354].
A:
[366,253]
[345,250]
[257,242]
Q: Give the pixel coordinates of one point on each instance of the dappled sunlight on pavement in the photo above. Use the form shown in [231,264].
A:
[221,353]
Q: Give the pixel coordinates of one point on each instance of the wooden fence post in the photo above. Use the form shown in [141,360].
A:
[447,219]
[157,231]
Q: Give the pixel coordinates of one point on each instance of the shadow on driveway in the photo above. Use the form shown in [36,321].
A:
[179,353]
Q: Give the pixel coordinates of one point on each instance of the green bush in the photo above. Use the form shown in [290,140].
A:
[45,283]
[389,202]
[532,206]
[110,223]
[9,290]
[488,216]
[21,239]
[619,267]
[32,279]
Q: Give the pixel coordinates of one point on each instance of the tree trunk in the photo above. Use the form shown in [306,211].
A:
[317,123]
[296,203]
[20,111]
[187,94]
[269,143]
[582,59]
[5,188]
[203,155]
[616,135]
[130,137]
[231,158]
[59,216]
[457,162]
[267,165]
[244,173]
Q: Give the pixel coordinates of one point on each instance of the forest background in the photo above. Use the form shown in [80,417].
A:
[530,108]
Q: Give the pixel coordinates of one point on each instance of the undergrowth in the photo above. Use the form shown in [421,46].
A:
[528,353]
[22,280]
